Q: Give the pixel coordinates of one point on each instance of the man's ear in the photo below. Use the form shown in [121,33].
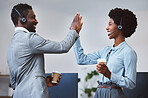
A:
[19,23]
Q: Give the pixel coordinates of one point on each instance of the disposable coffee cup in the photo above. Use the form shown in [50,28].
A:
[55,75]
[101,61]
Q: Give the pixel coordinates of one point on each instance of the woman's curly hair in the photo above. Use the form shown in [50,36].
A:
[125,18]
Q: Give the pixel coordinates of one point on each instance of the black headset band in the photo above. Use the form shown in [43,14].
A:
[17,12]
[23,19]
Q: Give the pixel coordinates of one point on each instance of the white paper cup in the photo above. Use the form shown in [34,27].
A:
[101,61]
[55,75]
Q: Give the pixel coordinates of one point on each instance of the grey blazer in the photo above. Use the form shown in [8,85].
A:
[25,59]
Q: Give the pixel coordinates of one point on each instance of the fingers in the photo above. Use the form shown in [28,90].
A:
[58,80]
[81,23]
[77,24]
[101,68]
[54,84]
[75,18]
[60,74]
[49,78]
[78,17]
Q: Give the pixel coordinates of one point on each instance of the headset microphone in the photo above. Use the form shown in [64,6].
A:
[23,19]
[118,28]
[112,32]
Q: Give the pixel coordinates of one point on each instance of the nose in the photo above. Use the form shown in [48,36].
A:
[36,21]
[107,28]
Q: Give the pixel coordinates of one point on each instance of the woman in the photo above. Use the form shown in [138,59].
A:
[120,68]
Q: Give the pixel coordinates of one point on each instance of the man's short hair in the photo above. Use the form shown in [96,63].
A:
[22,9]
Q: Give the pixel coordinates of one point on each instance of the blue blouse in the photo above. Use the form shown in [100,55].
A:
[121,62]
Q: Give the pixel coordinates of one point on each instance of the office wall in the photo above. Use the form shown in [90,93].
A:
[55,17]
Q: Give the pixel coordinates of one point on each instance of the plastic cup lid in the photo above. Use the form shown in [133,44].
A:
[56,72]
[101,60]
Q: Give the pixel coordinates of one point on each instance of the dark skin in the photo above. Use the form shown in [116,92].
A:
[30,25]
[103,69]
[49,79]
[118,38]
[77,24]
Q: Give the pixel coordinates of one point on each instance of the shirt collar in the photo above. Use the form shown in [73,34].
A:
[21,28]
[119,46]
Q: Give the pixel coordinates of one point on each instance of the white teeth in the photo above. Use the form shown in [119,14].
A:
[34,26]
[109,32]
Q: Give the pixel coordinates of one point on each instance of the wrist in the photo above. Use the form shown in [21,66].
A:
[109,75]
[72,28]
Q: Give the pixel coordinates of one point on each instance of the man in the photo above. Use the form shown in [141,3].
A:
[26,53]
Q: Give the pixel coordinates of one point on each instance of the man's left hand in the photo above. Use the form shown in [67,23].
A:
[49,83]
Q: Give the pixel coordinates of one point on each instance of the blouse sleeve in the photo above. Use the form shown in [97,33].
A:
[82,58]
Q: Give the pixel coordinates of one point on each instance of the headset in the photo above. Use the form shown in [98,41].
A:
[118,28]
[23,19]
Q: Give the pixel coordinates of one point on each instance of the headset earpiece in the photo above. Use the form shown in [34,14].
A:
[23,19]
[119,27]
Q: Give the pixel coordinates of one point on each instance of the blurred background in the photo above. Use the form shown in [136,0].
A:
[55,17]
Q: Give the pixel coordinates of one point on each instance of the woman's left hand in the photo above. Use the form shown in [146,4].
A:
[103,69]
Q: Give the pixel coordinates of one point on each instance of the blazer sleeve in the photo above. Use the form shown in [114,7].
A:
[41,45]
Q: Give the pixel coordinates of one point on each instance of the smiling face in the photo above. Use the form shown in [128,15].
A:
[31,23]
[112,29]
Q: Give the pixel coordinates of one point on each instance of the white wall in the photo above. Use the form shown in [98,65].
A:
[55,17]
